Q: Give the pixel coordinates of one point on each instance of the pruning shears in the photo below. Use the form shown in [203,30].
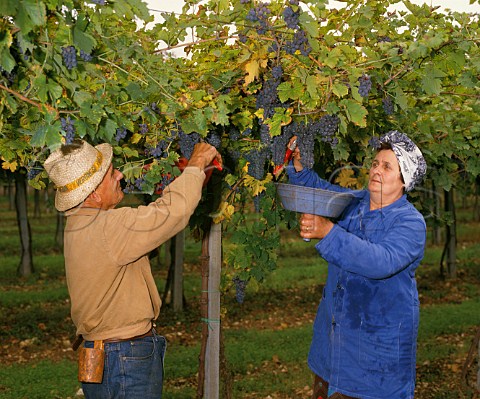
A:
[288,156]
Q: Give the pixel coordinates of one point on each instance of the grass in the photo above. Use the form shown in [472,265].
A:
[266,339]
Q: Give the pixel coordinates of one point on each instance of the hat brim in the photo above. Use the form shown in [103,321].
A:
[68,200]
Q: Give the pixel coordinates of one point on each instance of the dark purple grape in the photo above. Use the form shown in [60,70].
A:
[365,85]
[68,128]
[187,142]
[69,55]
[240,286]
[387,105]
[121,133]
[291,18]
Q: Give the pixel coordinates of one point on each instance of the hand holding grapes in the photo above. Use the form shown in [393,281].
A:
[314,226]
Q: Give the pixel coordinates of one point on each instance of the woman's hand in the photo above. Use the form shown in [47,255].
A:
[314,226]
[296,155]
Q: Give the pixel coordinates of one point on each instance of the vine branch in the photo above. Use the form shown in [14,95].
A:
[27,100]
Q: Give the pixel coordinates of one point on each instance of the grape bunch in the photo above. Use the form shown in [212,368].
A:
[306,144]
[384,39]
[68,128]
[300,43]
[233,133]
[69,55]
[159,150]
[374,142]
[240,286]
[279,145]
[365,85]
[138,183]
[259,15]
[265,137]
[187,142]
[143,128]
[99,2]
[242,38]
[256,159]
[291,18]
[267,97]
[257,201]
[86,57]
[33,172]
[277,72]
[166,180]
[214,139]
[325,128]
[10,76]
[387,105]
[121,133]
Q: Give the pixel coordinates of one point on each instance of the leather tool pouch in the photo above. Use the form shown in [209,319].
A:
[91,362]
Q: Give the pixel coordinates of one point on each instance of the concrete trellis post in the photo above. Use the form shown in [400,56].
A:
[212,356]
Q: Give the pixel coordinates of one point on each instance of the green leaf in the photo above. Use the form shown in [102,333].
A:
[431,82]
[8,7]
[312,87]
[401,98]
[6,59]
[282,117]
[35,9]
[55,90]
[41,84]
[290,90]
[53,138]
[39,137]
[340,89]
[83,40]
[135,91]
[356,112]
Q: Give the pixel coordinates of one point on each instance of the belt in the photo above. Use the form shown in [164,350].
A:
[79,339]
[149,333]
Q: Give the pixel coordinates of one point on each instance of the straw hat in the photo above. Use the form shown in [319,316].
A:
[76,170]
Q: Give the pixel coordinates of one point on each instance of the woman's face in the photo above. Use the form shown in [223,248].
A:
[385,176]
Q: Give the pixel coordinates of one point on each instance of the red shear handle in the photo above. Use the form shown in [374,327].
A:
[217,165]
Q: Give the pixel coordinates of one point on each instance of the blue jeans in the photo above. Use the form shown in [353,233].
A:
[133,369]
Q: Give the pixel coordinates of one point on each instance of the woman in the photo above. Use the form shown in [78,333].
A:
[365,331]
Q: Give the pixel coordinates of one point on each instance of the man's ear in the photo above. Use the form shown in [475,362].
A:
[95,197]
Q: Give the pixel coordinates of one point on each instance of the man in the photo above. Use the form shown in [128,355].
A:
[114,299]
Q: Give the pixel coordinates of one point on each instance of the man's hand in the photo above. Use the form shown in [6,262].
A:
[314,226]
[203,154]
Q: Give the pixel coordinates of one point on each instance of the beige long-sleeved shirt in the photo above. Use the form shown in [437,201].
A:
[111,286]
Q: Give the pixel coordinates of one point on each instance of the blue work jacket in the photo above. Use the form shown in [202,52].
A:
[365,330]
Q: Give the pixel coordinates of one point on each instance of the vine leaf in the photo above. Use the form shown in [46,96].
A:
[253,70]
[355,112]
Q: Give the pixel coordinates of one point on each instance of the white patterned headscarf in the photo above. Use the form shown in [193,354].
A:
[411,161]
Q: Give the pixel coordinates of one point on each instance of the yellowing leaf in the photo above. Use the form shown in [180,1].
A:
[346,178]
[10,165]
[224,212]
[136,138]
[252,68]
[256,186]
